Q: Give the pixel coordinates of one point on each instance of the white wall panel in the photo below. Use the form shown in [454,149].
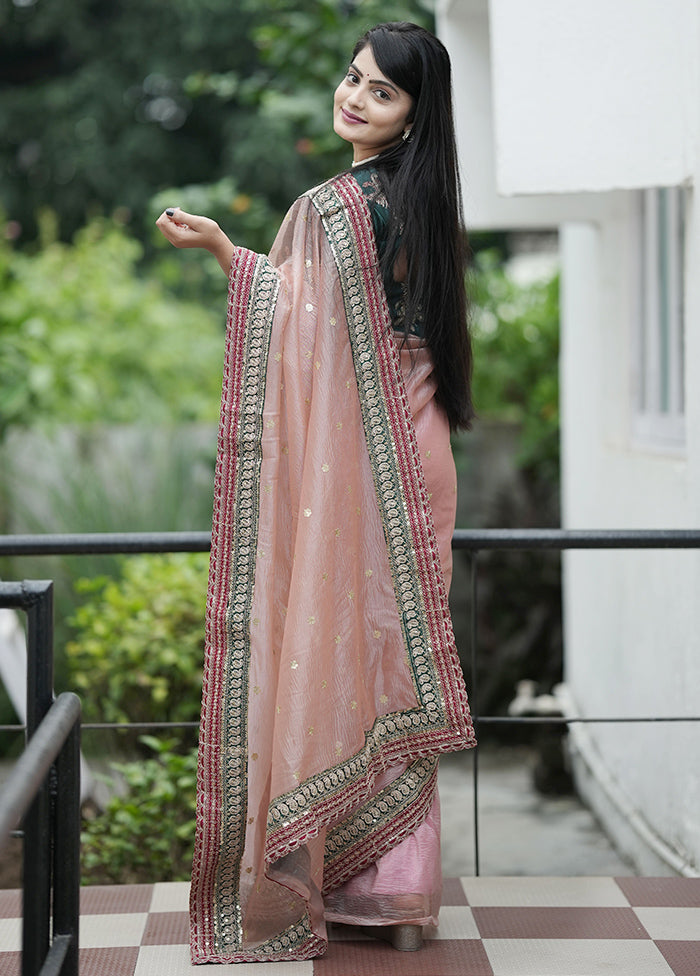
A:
[593,94]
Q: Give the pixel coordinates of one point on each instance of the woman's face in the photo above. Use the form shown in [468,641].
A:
[368,109]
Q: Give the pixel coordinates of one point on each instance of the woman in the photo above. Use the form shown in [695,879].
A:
[332,682]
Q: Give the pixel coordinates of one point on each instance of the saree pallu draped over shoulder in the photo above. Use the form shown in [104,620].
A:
[331,680]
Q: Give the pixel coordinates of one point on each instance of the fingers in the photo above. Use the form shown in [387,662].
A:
[183,229]
[180,217]
[179,227]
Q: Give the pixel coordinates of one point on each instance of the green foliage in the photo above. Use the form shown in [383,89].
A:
[83,338]
[139,645]
[146,833]
[516,356]
[94,114]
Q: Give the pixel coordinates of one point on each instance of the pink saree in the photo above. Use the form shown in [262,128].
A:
[331,681]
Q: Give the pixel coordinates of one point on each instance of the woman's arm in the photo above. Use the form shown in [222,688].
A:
[189,230]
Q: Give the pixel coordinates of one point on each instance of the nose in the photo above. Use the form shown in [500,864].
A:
[355,97]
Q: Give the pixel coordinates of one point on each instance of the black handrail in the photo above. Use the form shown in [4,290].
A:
[559,539]
[35,763]
[470,539]
[103,543]
[44,789]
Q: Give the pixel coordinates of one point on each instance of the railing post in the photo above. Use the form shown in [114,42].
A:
[66,877]
[37,852]
[39,606]
[473,696]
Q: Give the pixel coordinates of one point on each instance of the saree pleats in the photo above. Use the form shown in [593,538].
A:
[332,681]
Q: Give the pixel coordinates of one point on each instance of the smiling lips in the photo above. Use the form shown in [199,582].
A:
[351,119]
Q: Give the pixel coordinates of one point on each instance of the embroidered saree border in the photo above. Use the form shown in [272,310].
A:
[394,457]
[418,579]
[216,925]
[360,840]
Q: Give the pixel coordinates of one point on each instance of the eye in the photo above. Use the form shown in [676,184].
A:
[382,94]
[352,77]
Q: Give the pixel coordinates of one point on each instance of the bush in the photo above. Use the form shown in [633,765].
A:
[516,358]
[146,833]
[139,647]
[83,338]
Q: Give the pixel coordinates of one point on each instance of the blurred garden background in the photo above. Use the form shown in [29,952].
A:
[111,346]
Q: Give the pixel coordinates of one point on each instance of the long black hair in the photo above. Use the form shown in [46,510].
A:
[421,180]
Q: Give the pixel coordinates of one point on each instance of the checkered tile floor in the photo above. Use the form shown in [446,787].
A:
[488,927]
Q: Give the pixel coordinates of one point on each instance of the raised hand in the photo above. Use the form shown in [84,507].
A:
[190,230]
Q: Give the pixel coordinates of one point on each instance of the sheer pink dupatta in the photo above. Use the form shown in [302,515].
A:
[331,677]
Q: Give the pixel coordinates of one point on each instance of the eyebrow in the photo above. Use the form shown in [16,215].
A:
[375,81]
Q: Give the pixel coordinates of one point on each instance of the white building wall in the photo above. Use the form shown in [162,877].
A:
[552,98]
[632,636]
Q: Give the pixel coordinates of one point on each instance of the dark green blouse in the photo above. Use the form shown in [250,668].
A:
[370,184]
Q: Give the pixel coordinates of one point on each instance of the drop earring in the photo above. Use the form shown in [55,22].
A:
[406,135]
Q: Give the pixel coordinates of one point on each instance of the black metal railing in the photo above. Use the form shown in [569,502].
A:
[475,541]
[43,794]
[472,541]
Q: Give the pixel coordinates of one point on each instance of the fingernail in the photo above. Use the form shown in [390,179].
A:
[170,211]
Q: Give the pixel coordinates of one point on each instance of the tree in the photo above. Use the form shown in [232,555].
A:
[83,339]
[93,109]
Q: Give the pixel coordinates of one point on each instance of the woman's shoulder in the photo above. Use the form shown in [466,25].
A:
[327,196]
[363,183]
[366,177]
[321,195]
[322,189]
